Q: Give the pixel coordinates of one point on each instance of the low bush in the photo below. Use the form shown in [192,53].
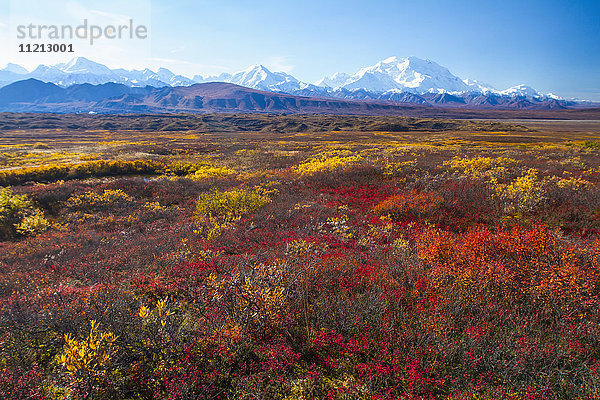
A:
[217,209]
[18,216]
[410,206]
[101,168]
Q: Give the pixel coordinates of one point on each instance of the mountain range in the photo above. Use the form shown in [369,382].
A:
[405,80]
[81,70]
[32,95]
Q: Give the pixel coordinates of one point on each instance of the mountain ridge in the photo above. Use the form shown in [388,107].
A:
[32,95]
[385,80]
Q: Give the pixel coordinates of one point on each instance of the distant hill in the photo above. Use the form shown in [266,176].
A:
[32,95]
[35,96]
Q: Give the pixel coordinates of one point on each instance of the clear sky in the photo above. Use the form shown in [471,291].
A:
[551,45]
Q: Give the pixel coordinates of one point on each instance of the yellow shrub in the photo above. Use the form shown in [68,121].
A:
[32,224]
[19,216]
[480,167]
[159,315]
[573,184]
[92,199]
[89,357]
[394,168]
[230,205]
[10,201]
[54,172]
[219,209]
[328,162]
[208,171]
[524,194]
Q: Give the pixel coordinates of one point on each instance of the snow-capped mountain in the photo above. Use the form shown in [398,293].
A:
[259,77]
[554,96]
[400,80]
[49,74]
[164,75]
[417,81]
[14,68]
[479,87]
[336,80]
[521,90]
[83,66]
[410,74]
[391,76]
[77,71]
[81,70]
[11,73]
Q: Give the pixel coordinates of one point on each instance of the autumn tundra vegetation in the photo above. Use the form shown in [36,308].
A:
[298,257]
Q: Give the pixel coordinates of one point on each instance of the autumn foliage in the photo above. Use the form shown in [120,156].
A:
[355,271]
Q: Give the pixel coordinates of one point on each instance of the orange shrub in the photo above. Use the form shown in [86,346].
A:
[409,205]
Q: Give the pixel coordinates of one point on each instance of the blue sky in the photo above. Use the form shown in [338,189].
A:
[553,46]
